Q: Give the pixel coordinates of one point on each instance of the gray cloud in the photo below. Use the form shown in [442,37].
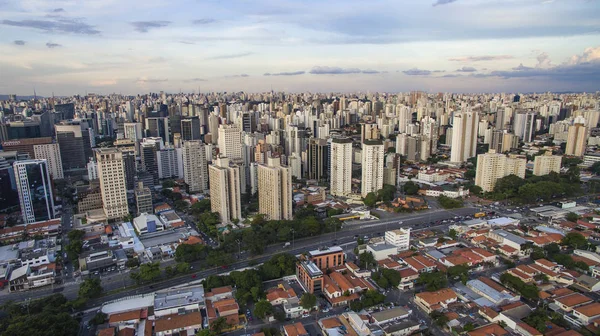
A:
[325,70]
[58,10]
[294,73]
[370,71]
[151,80]
[443,2]
[53,45]
[145,26]
[186,42]
[420,72]
[19,42]
[481,58]
[521,67]
[451,76]
[204,21]
[581,72]
[62,25]
[228,56]
[238,76]
[191,80]
[466,69]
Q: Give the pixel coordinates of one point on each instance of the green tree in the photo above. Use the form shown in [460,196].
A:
[76,234]
[367,259]
[595,168]
[433,281]
[370,200]
[206,332]
[279,315]
[475,190]
[99,318]
[308,301]
[469,326]
[537,253]
[387,193]
[574,240]
[450,203]
[411,188]
[470,174]
[132,262]
[453,234]
[147,273]
[262,309]
[573,217]
[219,324]
[168,184]
[439,318]
[90,288]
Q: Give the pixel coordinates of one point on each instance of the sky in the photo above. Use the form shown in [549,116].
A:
[67,47]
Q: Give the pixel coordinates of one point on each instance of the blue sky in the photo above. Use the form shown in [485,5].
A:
[136,46]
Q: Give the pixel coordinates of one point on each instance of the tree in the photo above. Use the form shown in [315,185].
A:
[439,318]
[574,240]
[411,188]
[387,193]
[168,184]
[475,189]
[99,318]
[433,281]
[370,200]
[76,234]
[450,203]
[453,234]
[573,217]
[206,332]
[308,301]
[595,168]
[279,315]
[470,174]
[262,309]
[537,253]
[552,248]
[219,324]
[133,262]
[147,273]
[366,259]
[469,327]
[90,288]
[181,205]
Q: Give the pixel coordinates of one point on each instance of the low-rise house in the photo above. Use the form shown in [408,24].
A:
[569,302]
[438,300]
[420,263]
[127,319]
[587,283]
[220,302]
[390,315]
[178,324]
[487,330]
[492,291]
[584,315]
[408,277]
[296,329]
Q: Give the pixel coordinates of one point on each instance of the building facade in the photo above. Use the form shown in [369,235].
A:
[547,163]
[225,192]
[34,187]
[275,190]
[111,173]
[372,166]
[50,153]
[464,136]
[341,167]
[194,166]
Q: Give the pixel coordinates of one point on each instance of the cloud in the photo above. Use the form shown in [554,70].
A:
[19,42]
[481,58]
[443,2]
[294,73]
[151,80]
[451,76]
[325,70]
[370,71]
[238,76]
[543,60]
[204,21]
[191,80]
[61,26]
[420,72]
[186,42]
[53,45]
[58,10]
[145,26]
[589,55]
[521,67]
[228,56]
[466,69]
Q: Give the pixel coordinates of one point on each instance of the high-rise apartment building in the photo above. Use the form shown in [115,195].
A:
[372,166]
[547,163]
[464,136]
[577,139]
[170,163]
[149,149]
[158,127]
[190,128]
[230,142]
[341,167]
[275,190]
[34,187]
[224,178]
[50,153]
[317,159]
[493,166]
[194,166]
[143,199]
[524,126]
[113,185]
[75,139]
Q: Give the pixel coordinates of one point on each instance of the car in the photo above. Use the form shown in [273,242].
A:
[194,276]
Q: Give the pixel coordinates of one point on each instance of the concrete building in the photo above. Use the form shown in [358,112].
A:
[111,173]
[34,187]
[547,163]
[170,163]
[76,140]
[50,153]
[158,127]
[149,149]
[577,139]
[230,142]
[275,190]
[194,166]
[493,166]
[464,136]
[341,167]
[399,238]
[224,177]
[317,159]
[372,166]
[143,199]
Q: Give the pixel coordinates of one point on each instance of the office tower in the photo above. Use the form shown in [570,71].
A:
[213,127]
[524,126]
[295,140]
[170,163]
[158,127]
[225,192]
[275,190]
[318,159]
[190,129]
[148,148]
[134,132]
[9,198]
[341,166]
[65,111]
[230,142]
[577,139]
[23,129]
[46,122]
[92,169]
[130,168]
[25,145]
[50,153]
[404,118]
[130,108]
[248,122]
[75,139]
[372,166]
[546,163]
[111,173]
[592,118]
[195,172]
[34,187]
[493,166]
[464,136]
[143,199]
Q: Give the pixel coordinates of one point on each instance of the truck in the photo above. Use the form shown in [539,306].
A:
[479,215]
[286,244]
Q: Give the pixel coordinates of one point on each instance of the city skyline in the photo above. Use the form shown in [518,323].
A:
[67,47]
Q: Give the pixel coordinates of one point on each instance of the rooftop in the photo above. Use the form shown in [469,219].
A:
[176,298]
[326,250]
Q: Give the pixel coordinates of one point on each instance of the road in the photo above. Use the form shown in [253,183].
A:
[346,235]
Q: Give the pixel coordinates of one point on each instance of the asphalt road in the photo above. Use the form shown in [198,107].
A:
[372,228]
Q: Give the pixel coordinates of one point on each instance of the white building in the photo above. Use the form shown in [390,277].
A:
[195,166]
[92,169]
[50,153]
[111,172]
[230,142]
[372,166]
[170,162]
[225,193]
[547,163]
[464,136]
[148,223]
[493,166]
[341,166]
[275,190]
[399,238]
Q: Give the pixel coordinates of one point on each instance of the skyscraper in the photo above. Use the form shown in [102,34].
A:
[111,173]
[50,153]
[318,159]
[158,127]
[341,166]
[577,139]
[275,190]
[225,192]
[34,187]
[493,166]
[195,172]
[230,142]
[372,166]
[190,128]
[75,139]
[464,136]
